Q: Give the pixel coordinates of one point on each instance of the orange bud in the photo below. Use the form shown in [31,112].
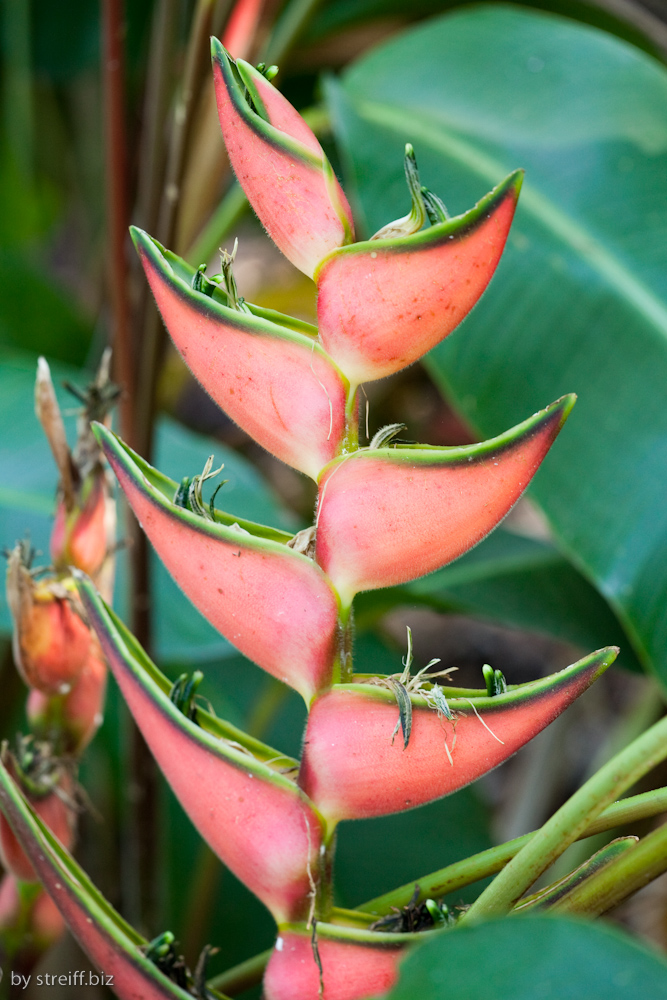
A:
[73,718]
[51,641]
[10,902]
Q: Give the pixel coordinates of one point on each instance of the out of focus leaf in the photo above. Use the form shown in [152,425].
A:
[413,843]
[580,301]
[514,581]
[35,315]
[338,15]
[526,958]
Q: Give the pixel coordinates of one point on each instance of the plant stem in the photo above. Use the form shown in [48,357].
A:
[449,879]
[229,211]
[115,146]
[478,866]
[17,96]
[157,100]
[242,976]
[153,331]
[570,821]
[631,871]
[292,21]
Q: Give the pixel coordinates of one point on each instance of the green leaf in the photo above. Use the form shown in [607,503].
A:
[515,581]
[579,302]
[413,843]
[526,958]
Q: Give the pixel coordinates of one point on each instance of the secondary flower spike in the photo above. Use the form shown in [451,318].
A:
[279,164]
[382,304]
[51,641]
[47,795]
[276,382]
[389,515]
[274,604]
[255,819]
[112,944]
[373,772]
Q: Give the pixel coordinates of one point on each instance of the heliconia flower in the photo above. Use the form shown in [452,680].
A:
[354,766]
[114,947]
[279,164]
[339,963]
[50,639]
[274,604]
[388,515]
[274,380]
[384,303]
[252,815]
[55,813]
[80,536]
[71,720]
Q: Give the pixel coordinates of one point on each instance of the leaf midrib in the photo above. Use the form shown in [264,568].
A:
[582,242]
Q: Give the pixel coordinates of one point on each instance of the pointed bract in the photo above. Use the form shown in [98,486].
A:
[280,165]
[275,605]
[388,515]
[111,944]
[355,964]
[382,304]
[276,383]
[353,767]
[255,819]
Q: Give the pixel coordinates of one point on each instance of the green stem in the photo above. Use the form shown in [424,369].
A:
[17,97]
[479,866]
[292,21]
[249,973]
[229,211]
[570,821]
[620,878]
[242,976]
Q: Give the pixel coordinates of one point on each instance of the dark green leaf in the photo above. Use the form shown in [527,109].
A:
[531,958]
[579,302]
[412,844]
[514,581]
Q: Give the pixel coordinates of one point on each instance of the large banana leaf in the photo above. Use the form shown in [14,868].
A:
[525,958]
[579,302]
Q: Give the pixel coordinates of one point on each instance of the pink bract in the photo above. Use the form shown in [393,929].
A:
[389,515]
[280,165]
[382,304]
[354,768]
